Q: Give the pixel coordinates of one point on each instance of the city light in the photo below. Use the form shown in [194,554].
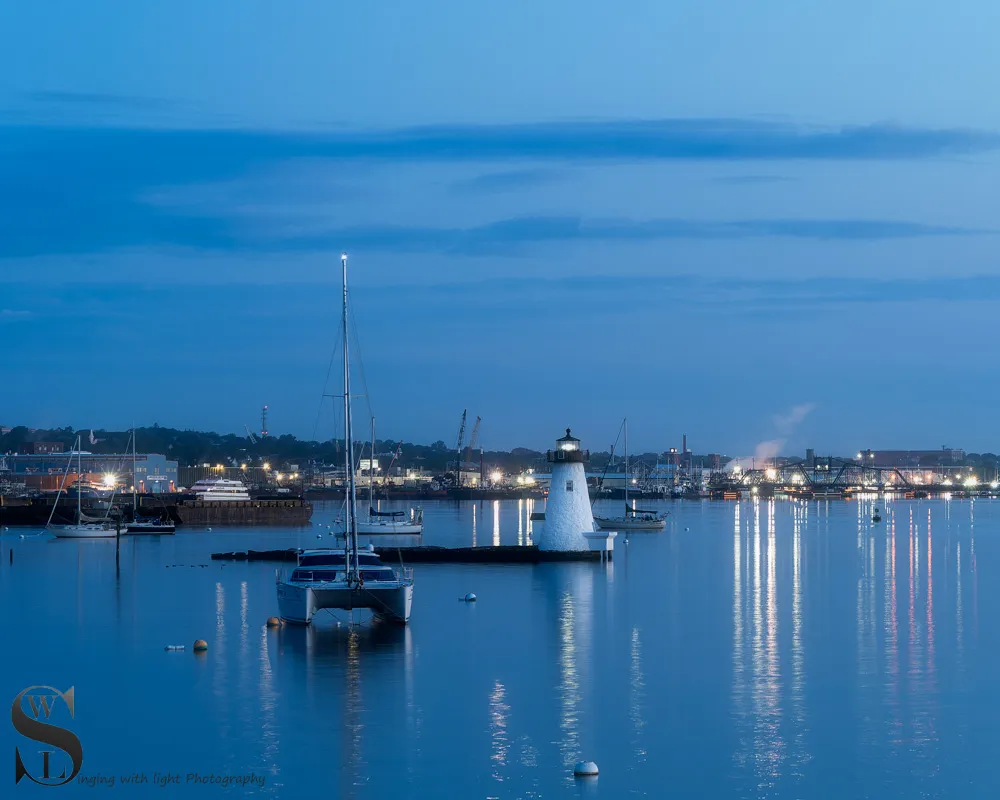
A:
[110,480]
[971,481]
[772,474]
[496,476]
[266,465]
[278,477]
[243,466]
[994,485]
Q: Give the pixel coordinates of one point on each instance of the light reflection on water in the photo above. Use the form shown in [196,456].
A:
[847,660]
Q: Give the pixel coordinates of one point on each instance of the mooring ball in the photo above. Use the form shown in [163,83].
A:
[585,769]
[273,622]
[200,645]
[470,598]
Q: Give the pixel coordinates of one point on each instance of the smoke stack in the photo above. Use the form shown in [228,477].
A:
[684,443]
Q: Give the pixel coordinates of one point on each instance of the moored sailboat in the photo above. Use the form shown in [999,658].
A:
[345,578]
[635,519]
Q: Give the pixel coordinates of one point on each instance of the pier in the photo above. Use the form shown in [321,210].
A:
[501,554]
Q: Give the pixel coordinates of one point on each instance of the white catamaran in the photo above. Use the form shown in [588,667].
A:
[635,519]
[345,578]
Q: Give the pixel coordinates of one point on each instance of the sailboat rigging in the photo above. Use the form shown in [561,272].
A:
[634,519]
[85,527]
[345,578]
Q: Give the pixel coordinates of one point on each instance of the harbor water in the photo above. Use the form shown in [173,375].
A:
[760,649]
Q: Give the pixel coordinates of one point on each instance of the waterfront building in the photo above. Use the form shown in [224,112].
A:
[154,472]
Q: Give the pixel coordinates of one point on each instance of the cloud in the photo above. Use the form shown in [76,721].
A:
[751,180]
[120,101]
[506,181]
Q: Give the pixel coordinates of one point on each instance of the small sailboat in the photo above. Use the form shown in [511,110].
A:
[634,519]
[387,522]
[85,527]
[140,525]
[345,578]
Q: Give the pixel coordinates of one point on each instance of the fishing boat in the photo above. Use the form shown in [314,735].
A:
[144,525]
[345,578]
[634,519]
[85,527]
[387,522]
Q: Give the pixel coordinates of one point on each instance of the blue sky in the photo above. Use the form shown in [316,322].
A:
[699,215]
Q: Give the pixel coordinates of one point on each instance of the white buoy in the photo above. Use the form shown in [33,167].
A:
[319,535]
[585,769]
[687,529]
[174,647]
[208,529]
[21,536]
[470,598]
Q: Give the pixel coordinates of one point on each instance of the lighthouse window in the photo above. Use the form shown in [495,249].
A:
[569,486]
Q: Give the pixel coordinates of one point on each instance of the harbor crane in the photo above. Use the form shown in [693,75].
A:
[473,441]
[458,447]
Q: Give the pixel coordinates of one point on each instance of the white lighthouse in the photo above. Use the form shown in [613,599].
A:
[568,517]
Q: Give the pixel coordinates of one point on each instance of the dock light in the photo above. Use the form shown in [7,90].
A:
[110,480]
[495,476]
[971,481]
[266,465]
[243,466]
[753,490]
[772,474]
[218,466]
[277,477]
[994,485]
[947,481]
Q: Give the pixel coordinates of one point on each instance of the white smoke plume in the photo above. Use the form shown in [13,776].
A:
[785,424]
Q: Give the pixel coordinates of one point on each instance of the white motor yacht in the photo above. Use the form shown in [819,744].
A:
[223,489]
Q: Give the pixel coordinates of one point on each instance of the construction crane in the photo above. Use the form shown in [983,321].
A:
[458,447]
[473,440]
[250,436]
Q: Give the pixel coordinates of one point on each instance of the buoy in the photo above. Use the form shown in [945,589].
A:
[585,769]
[200,645]
[470,598]
[21,536]
[174,647]
[687,529]
[319,535]
[273,622]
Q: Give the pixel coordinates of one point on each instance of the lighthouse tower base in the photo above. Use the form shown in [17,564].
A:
[568,517]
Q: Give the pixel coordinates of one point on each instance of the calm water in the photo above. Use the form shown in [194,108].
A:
[764,649]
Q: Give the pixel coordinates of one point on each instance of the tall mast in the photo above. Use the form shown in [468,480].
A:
[352,510]
[79,480]
[371,472]
[626,465]
[135,515]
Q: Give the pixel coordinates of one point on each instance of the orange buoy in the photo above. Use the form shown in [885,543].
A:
[200,644]
[273,622]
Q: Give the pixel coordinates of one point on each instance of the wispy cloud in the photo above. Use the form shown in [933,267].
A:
[96,99]
[506,181]
[751,180]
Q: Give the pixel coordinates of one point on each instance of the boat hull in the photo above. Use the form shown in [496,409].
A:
[621,524]
[389,528]
[83,532]
[140,529]
[298,603]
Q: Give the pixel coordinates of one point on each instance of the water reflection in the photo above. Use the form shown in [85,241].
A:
[637,698]
[496,523]
[475,508]
[569,687]
[499,710]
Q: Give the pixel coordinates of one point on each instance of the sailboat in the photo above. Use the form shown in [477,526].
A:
[85,527]
[346,578]
[387,522]
[139,525]
[635,519]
